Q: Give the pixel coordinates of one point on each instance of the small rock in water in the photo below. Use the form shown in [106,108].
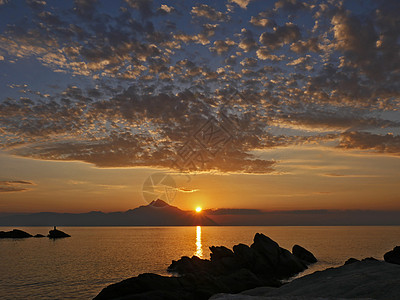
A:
[14,234]
[56,234]
[38,235]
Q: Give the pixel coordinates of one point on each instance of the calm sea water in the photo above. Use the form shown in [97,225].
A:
[80,266]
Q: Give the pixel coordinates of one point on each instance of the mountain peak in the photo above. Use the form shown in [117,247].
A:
[158,203]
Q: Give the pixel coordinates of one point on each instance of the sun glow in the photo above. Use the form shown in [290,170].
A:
[198,209]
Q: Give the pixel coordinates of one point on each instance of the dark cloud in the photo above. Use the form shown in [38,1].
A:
[388,143]
[285,34]
[10,186]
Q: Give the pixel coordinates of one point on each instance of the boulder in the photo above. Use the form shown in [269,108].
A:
[289,264]
[56,234]
[267,247]
[38,235]
[303,254]
[14,234]
[393,256]
[218,252]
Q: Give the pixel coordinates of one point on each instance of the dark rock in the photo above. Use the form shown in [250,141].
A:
[267,247]
[56,234]
[38,235]
[187,265]
[393,256]
[14,234]
[289,264]
[369,259]
[227,271]
[351,261]
[303,254]
[218,252]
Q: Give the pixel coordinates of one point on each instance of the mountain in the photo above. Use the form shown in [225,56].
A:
[157,213]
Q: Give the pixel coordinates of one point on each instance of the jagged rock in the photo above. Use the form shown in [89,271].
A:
[289,264]
[14,234]
[267,247]
[393,256]
[303,254]
[218,252]
[351,260]
[56,234]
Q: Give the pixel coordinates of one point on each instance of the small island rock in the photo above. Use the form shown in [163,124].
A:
[56,234]
[14,234]
[38,235]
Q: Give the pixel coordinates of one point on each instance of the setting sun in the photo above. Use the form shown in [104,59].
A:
[198,209]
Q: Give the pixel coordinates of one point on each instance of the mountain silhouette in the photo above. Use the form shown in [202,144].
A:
[157,213]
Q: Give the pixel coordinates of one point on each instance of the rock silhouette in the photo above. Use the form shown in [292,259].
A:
[56,234]
[303,254]
[393,256]
[14,234]
[264,263]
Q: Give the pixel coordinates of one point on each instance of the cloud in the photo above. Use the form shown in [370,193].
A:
[10,186]
[389,143]
[282,35]
[242,3]
[208,12]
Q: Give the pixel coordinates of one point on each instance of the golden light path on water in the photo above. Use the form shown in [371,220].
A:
[199,247]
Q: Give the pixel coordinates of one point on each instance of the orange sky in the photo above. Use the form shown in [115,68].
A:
[306,177]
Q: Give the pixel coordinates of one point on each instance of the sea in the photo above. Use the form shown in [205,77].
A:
[79,267]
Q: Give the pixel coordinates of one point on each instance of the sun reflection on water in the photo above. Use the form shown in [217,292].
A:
[199,247]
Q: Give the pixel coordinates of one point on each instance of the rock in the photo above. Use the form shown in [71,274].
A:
[393,256]
[303,254]
[186,265]
[227,271]
[219,252]
[38,235]
[267,247]
[289,264]
[367,279]
[56,234]
[351,261]
[14,234]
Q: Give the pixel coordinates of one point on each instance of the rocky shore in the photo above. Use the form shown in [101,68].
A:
[255,273]
[264,263]
[366,279]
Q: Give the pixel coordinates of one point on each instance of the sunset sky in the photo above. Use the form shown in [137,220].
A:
[270,105]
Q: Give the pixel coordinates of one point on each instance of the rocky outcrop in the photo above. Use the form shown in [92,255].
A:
[38,235]
[303,254]
[393,256]
[264,263]
[14,234]
[366,279]
[56,234]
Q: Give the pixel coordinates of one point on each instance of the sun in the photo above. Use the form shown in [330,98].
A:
[198,209]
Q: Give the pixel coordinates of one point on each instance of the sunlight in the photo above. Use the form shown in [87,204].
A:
[198,209]
[199,246]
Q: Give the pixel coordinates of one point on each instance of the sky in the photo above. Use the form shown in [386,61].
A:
[272,105]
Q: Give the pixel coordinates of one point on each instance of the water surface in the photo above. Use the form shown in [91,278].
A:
[80,266]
